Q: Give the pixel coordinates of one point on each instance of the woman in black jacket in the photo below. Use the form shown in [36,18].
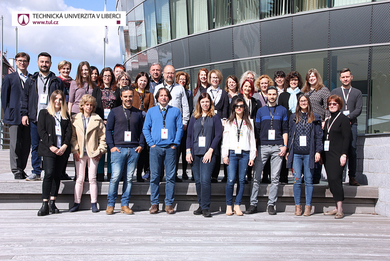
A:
[55,132]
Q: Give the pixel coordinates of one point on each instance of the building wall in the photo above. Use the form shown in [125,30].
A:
[374,168]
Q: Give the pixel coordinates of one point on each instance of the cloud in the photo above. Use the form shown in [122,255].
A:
[71,43]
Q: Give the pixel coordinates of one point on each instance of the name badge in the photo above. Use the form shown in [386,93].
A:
[326,145]
[346,113]
[127,136]
[164,134]
[202,141]
[58,131]
[43,98]
[215,112]
[302,141]
[106,112]
[237,150]
[271,134]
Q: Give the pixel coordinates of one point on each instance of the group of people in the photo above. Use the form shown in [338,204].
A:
[255,125]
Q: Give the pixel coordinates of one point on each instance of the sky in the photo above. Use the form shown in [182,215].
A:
[74,44]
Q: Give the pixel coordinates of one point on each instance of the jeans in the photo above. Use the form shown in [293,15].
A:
[264,153]
[159,156]
[202,175]
[35,159]
[238,164]
[126,157]
[53,167]
[298,161]
[80,174]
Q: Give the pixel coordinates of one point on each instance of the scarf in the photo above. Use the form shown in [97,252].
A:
[292,101]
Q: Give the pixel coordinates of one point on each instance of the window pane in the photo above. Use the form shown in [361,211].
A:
[272,64]
[357,61]
[247,65]
[379,118]
[271,8]
[163,21]
[197,16]
[132,34]
[220,13]
[150,23]
[179,18]
[140,28]
[307,5]
[245,10]
[349,2]
[317,60]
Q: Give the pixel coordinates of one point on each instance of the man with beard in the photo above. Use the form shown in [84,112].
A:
[37,91]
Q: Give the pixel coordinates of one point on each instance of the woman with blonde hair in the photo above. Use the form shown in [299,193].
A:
[204,135]
[262,83]
[55,133]
[88,145]
[64,68]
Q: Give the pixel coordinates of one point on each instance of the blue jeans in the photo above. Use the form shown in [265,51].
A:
[202,175]
[127,157]
[158,156]
[298,161]
[238,163]
[35,159]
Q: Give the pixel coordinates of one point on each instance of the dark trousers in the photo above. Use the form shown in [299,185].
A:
[19,147]
[53,167]
[143,162]
[352,152]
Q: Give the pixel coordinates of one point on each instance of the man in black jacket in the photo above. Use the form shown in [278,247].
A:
[37,91]
[11,99]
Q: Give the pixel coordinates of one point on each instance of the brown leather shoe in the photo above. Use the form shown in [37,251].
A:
[169,209]
[110,210]
[153,209]
[126,210]
[307,211]
[353,182]
[298,210]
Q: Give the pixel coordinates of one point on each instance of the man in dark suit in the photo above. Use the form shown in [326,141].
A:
[11,98]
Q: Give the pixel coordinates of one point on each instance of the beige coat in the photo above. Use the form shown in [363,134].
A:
[94,139]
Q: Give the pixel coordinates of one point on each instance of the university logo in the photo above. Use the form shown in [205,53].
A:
[23,19]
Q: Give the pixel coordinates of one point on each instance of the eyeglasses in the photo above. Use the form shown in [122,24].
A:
[107,76]
[22,61]
[242,106]
[125,80]
[333,104]
[303,101]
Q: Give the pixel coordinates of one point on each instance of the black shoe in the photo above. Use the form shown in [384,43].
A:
[198,211]
[65,177]
[140,180]
[214,180]
[177,179]
[316,181]
[19,175]
[44,211]
[53,208]
[184,176]
[246,182]
[75,207]
[266,181]
[224,180]
[251,210]
[271,210]
[95,208]
[206,213]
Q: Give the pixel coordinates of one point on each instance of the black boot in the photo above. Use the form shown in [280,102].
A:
[53,208]
[44,209]
[75,207]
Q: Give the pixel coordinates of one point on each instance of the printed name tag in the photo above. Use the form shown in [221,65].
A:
[128,136]
[326,145]
[106,112]
[202,141]
[271,134]
[237,150]
[164,134]
[302,141]
[346,113]
[58,130]
[43,98]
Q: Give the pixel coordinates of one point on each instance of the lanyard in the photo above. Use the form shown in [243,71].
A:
[165,115]
[142,100]
[170,87]
[202,122]
[329,127]
[44,83]
[107,95]
[239,129]
[216,95]
[264,98]
[87,89]
[59,120]
[346,98]
[272,116]
[127,118]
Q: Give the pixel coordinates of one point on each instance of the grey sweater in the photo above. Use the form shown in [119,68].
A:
[354,105]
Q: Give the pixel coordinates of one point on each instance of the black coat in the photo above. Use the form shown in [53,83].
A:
[283,100]
[255,106]
[47,134]
[97,93]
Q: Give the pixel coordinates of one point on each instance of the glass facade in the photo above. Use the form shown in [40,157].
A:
[264,36]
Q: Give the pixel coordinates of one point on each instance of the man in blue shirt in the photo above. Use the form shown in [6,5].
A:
[125,140]
[272,132]
[11,101]
[163,130]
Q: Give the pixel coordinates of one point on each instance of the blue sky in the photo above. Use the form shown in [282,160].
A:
[74,44]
